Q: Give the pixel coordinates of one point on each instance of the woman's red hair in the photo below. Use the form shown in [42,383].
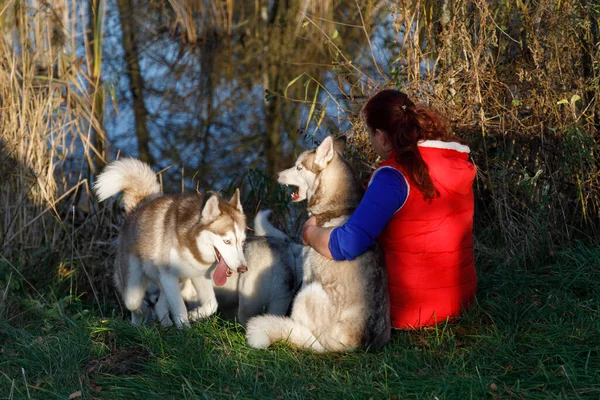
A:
[406,124]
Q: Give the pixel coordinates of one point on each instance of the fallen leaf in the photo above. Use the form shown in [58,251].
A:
[493,387]
[75,395]
[96,388]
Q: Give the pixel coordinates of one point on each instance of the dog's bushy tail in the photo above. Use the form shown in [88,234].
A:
[133,177]
[262,226]
[264,330]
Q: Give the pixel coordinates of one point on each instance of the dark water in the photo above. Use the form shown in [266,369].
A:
[215,106]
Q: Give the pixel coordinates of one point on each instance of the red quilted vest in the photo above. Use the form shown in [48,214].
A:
[429,244]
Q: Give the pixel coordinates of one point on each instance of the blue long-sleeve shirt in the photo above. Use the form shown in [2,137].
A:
[386,194]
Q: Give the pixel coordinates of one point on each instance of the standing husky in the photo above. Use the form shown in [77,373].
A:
[343,305]
[165,239]
[274,276]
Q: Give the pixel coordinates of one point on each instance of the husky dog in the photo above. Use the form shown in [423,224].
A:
[274,271]
[166,239]
[343,305]
[274,276]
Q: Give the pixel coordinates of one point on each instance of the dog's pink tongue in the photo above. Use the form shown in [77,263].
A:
[220,275]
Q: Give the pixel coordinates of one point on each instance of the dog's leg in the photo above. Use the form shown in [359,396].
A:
[335,332]
[264,330]
[279,305]
[137,316]
[249,306]
[150,300]
[135,289]
[162,311]
[170,290]
[310,317]
[312,308]
[206,296]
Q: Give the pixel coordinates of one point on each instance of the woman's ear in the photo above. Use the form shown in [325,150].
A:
[384,139]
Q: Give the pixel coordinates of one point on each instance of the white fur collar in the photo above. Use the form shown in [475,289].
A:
[438,144]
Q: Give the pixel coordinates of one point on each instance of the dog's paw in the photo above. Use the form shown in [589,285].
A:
[195,315]
[256,336]
[166,322]
[181,321]
[202,312]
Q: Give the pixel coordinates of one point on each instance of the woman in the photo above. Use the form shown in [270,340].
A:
[419,206]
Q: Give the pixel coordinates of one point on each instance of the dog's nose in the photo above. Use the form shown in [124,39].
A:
[242,269]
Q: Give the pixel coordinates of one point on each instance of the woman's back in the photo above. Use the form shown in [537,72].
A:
[429,243]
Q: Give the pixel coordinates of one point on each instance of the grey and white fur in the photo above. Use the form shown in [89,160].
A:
[342,305]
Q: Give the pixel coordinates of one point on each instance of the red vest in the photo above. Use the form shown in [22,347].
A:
[429,244]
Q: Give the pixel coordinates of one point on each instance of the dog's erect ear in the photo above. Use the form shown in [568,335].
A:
[339,144]
[235,201]
[211,210]
[325,152]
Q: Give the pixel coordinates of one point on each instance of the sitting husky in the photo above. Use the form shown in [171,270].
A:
[343,305]
[166,239]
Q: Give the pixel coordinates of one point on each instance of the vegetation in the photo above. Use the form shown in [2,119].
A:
[533,334]
[518,80]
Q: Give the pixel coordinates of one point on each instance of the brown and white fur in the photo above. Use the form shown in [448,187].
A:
[166,239]
[273,278]
[343,305]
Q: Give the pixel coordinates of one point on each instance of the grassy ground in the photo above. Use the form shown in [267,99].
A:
[534,333]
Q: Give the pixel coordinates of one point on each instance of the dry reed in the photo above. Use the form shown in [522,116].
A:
[518,81]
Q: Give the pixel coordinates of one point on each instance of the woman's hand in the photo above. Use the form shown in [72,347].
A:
[312,221]
[317,237]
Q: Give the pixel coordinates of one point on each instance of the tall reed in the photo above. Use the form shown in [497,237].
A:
[47,130]
[518,81]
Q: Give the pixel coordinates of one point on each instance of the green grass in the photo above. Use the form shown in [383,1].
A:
[534,333]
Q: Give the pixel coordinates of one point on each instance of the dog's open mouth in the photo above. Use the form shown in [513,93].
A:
[222,272]
[295,194]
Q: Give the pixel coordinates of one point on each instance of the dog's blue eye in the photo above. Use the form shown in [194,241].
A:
[299,167]
[226,241]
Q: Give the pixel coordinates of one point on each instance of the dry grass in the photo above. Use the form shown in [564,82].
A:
[518,81]
[533,333]
[47,130]
[498,70]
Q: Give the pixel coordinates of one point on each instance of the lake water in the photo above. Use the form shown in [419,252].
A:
[208,118]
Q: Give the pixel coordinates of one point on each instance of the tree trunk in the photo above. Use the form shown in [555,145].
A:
[96,92]
[272,76]
[136,81]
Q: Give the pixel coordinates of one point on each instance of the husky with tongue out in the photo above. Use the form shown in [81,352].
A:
[166,239]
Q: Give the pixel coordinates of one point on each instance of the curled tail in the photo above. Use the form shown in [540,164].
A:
[128,175]
[262,226]
[264,330]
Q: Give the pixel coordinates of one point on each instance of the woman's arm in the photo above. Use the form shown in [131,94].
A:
[317,237]
[387,193]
